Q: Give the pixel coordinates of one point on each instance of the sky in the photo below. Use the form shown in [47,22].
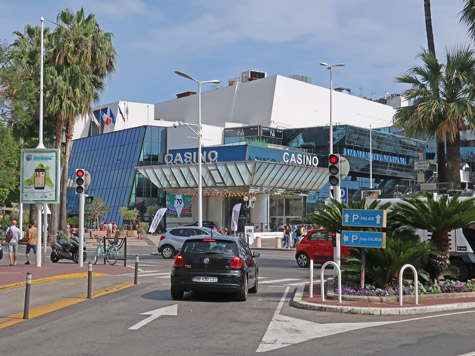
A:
[377,40]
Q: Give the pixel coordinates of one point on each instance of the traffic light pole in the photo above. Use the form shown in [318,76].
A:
[337,251]
[81,228]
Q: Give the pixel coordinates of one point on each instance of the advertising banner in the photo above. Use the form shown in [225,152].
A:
[40,170]
[249,231]
[179,206]
[235,217]
[156,220]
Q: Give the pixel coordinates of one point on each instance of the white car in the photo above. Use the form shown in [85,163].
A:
[172,240]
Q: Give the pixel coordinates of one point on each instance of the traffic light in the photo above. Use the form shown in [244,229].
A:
[89,200]
[334,169]
[80,180]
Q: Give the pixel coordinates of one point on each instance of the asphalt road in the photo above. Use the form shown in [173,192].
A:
[215,324]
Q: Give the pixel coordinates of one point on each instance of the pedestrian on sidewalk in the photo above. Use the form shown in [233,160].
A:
[287,232]
[13,244]
[31,235]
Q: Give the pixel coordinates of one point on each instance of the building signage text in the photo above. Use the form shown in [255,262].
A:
[300,159]
[191,157]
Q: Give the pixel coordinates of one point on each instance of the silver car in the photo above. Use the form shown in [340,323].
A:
[172,240]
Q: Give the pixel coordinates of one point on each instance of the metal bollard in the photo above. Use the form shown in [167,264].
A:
[136,275]
[310,286]
[89,280]
[26,312]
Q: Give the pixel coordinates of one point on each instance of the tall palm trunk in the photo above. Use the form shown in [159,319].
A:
[429,32]
[441,161]
[64,176]
[439,262]
[453,161]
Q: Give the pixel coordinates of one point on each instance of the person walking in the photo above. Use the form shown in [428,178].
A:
[13,243]
[287,232]
[31,235]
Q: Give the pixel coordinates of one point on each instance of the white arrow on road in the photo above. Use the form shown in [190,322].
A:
[286,331]
[154,314]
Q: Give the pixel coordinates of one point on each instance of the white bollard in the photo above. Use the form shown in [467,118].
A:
[310,287]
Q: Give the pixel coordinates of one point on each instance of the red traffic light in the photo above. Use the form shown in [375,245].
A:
[80,173]
[334,159]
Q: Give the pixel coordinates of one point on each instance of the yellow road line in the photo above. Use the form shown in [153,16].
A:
[60,304]
[48,279]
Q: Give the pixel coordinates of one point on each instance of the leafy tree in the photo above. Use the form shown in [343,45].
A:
[129,214]
[467,15]
[438,217]
[152,210]
[96,210]
[10,163]
[442,98]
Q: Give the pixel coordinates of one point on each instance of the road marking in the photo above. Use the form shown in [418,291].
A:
[279,280]
[154,274]
[469,354]
[286,331]
[154,314]
[49,279]
[60,304]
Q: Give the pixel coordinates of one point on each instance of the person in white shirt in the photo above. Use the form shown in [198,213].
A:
[13,244]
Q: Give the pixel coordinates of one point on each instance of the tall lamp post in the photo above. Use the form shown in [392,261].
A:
[336,189]
[199,134]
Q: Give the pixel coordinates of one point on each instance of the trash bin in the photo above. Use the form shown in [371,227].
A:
[278,242]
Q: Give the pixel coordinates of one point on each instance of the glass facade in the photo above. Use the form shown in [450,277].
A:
[393,156]
[111,160]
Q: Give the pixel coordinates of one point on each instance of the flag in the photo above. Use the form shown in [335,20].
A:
[156,220]
[102,115]
[94,120]
[235,217]
[121,114]
[112,116]
[107,120]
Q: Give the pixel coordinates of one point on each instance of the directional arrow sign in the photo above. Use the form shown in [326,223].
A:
[364,217]
[363,239]
[154,314]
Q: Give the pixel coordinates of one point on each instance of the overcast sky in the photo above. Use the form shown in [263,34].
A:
[219,39]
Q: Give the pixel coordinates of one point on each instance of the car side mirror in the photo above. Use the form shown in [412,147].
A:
[256,254]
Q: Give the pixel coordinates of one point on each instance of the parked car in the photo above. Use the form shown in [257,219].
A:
[222,264]
[317,244]
[205,223]
[173,238]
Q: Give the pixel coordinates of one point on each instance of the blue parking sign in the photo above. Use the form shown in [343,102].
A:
[344,195]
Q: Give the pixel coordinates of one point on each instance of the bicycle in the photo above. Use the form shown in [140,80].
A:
[111,254]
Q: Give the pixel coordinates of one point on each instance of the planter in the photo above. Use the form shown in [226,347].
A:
[394,298]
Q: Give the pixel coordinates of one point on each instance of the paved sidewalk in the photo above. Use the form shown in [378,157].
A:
[302,300]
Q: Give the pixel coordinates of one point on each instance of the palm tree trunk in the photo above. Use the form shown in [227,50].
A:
[441,162]
[429,32]
[440,262]
[55,208]
[64,176]
[453,162]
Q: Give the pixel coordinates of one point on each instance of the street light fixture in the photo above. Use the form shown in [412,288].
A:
[199,134]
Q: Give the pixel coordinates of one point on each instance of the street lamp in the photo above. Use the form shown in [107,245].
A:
[200,181]
[330,68]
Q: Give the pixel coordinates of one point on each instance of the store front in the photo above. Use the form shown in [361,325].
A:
[270,183]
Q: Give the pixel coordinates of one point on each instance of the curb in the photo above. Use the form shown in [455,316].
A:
[298,302]
[48,279]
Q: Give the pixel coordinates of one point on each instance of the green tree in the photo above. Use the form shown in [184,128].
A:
[442,102]
[96,210]
[467,15]
[438,217]
[10,163]
[152,210]
[129,214]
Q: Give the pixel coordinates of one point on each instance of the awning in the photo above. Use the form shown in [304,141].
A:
[237,177]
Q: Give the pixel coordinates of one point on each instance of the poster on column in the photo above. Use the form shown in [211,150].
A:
[179,206]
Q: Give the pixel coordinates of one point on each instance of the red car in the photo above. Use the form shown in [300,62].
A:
[318,245]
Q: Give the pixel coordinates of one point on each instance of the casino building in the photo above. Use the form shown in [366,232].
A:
[265,145]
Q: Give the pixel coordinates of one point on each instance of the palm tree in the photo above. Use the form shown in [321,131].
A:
[467,15]
[82,56]
[438,217]
[442,98]
[429,32]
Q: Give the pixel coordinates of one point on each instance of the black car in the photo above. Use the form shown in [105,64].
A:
[215,264]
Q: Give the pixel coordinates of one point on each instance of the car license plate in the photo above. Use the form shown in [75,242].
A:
[204,279]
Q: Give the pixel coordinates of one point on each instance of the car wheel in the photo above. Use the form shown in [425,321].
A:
[303,260]
[168,251]
[176,294]
[463,273]
[242,296]
[256,285]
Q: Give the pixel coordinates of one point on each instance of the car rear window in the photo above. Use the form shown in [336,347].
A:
[214,246]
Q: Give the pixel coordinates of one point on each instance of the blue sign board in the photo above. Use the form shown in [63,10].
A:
[344,195]
[364,217]
[363,239]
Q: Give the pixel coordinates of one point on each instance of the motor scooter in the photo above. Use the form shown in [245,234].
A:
[61,249]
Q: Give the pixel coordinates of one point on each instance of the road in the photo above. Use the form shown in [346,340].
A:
[144,320]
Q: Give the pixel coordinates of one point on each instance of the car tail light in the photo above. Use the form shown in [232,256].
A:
[236,262]
[162,237]
[178,261]
[209,240]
